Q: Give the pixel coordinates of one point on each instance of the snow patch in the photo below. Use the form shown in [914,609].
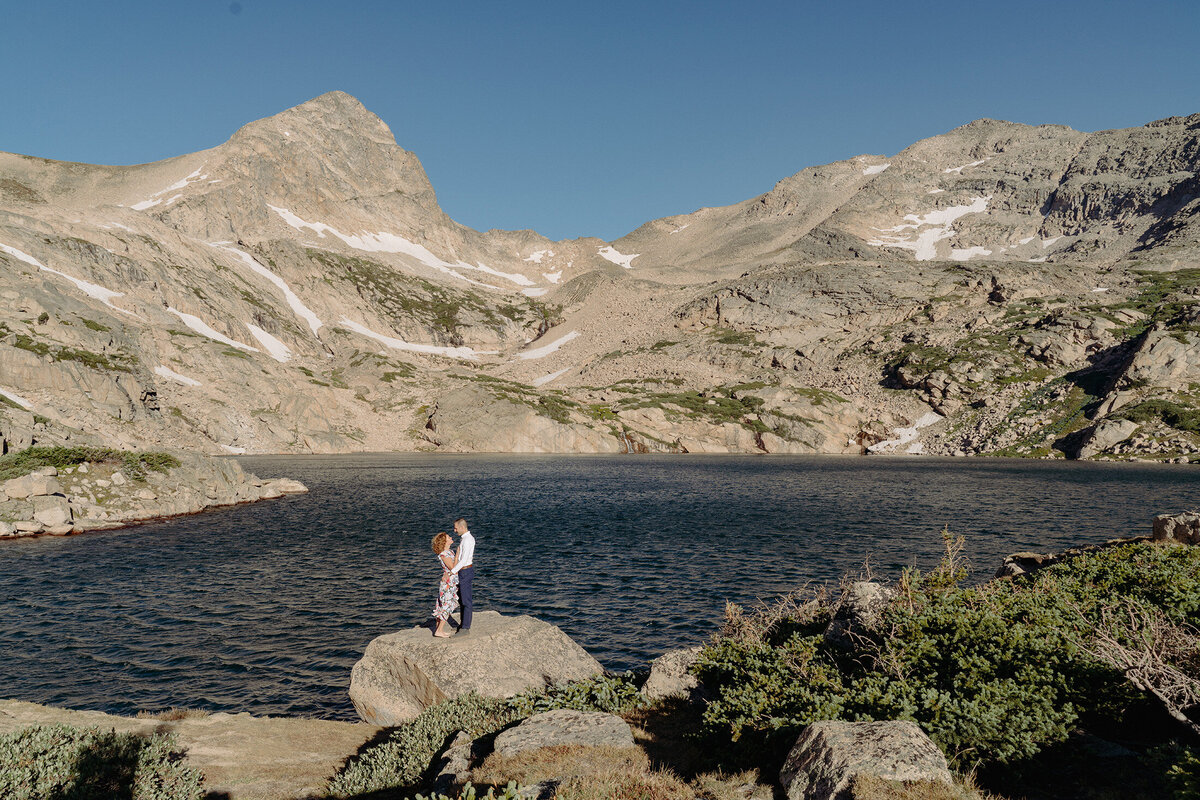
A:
[399,344]
[542,381]
[182,183]
[553,277]
[875,170]
[1100,289]
[924,243]
[93,290]
[1027,240]
[112,225]
[293,300]
[1041,260]
[167,372]
[537,256]
[966,254]
[204,329]
[277,349]
[681,227]
[959,170]
[538,292]
[906,436]
[547,349]
[384,242]
[16,398]
[237,451]
[610,253]
[935,191]
[1048,242]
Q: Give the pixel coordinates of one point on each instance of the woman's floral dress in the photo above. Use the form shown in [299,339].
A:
[447,601]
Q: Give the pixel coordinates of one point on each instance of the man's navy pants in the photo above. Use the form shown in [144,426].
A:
[465,576]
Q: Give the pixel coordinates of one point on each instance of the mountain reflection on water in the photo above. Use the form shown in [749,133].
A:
[265,608]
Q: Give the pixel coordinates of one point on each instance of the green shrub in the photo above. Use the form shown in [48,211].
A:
[51,761]
[993,673]
[134,464]
[613,694]
[510,792]
[402,759]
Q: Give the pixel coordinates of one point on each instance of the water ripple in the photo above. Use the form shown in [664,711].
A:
[265,608]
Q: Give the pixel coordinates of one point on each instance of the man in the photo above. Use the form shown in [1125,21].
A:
[464,568]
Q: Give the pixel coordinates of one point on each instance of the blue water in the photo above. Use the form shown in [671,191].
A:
[265,608]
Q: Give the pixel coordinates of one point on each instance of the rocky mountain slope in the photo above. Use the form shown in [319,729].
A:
[998,289]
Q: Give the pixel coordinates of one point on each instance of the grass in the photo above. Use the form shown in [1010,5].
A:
[1180,417]
[114,362]
[135,465]
[1160,299]
[736,338]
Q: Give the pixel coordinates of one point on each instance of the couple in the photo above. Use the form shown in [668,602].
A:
[458,573]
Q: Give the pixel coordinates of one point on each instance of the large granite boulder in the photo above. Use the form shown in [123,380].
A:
[401,674]
[564,726]
[670,674]
[1183,528]
[828,755]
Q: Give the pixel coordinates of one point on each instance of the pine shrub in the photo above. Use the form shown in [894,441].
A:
[993,673]
[48,761]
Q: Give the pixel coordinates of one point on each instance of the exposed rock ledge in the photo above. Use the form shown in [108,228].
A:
[97,496]
[401,674]
[242,757]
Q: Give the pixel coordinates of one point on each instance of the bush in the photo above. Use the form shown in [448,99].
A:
[613,694]
[993,673]
[48,761]
[510,792]
[134,464]
[401,761]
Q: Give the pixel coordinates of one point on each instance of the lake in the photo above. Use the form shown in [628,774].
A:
[265,608]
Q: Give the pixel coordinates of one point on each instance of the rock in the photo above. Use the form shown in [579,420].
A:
[1104,435]
[828,755]
[145,494]
[52,511]
[565,726]
[28,526]
[860,612]
[118,479]
[401,674]
[32,485]
[82,469]
[6,529]
[49,471]
[59,530]
[1020,563]
[669,676]
[1184,528]
[453,767]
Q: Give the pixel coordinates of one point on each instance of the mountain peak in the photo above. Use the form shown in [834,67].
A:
[333,114]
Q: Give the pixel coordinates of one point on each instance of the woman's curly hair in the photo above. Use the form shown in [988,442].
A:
[441,542]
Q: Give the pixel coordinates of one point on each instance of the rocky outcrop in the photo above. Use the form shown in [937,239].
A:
[401,674]
[829,755]
[670,675]
[98,495]
[1104,435]
[563,727]
[1182,528]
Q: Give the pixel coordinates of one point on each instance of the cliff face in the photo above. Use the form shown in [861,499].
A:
[999,288]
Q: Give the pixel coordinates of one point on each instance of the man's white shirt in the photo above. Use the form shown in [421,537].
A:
[466,552]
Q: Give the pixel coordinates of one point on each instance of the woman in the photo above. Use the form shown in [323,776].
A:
[447,601]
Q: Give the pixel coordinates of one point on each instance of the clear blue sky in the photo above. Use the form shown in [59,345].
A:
[582,119]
